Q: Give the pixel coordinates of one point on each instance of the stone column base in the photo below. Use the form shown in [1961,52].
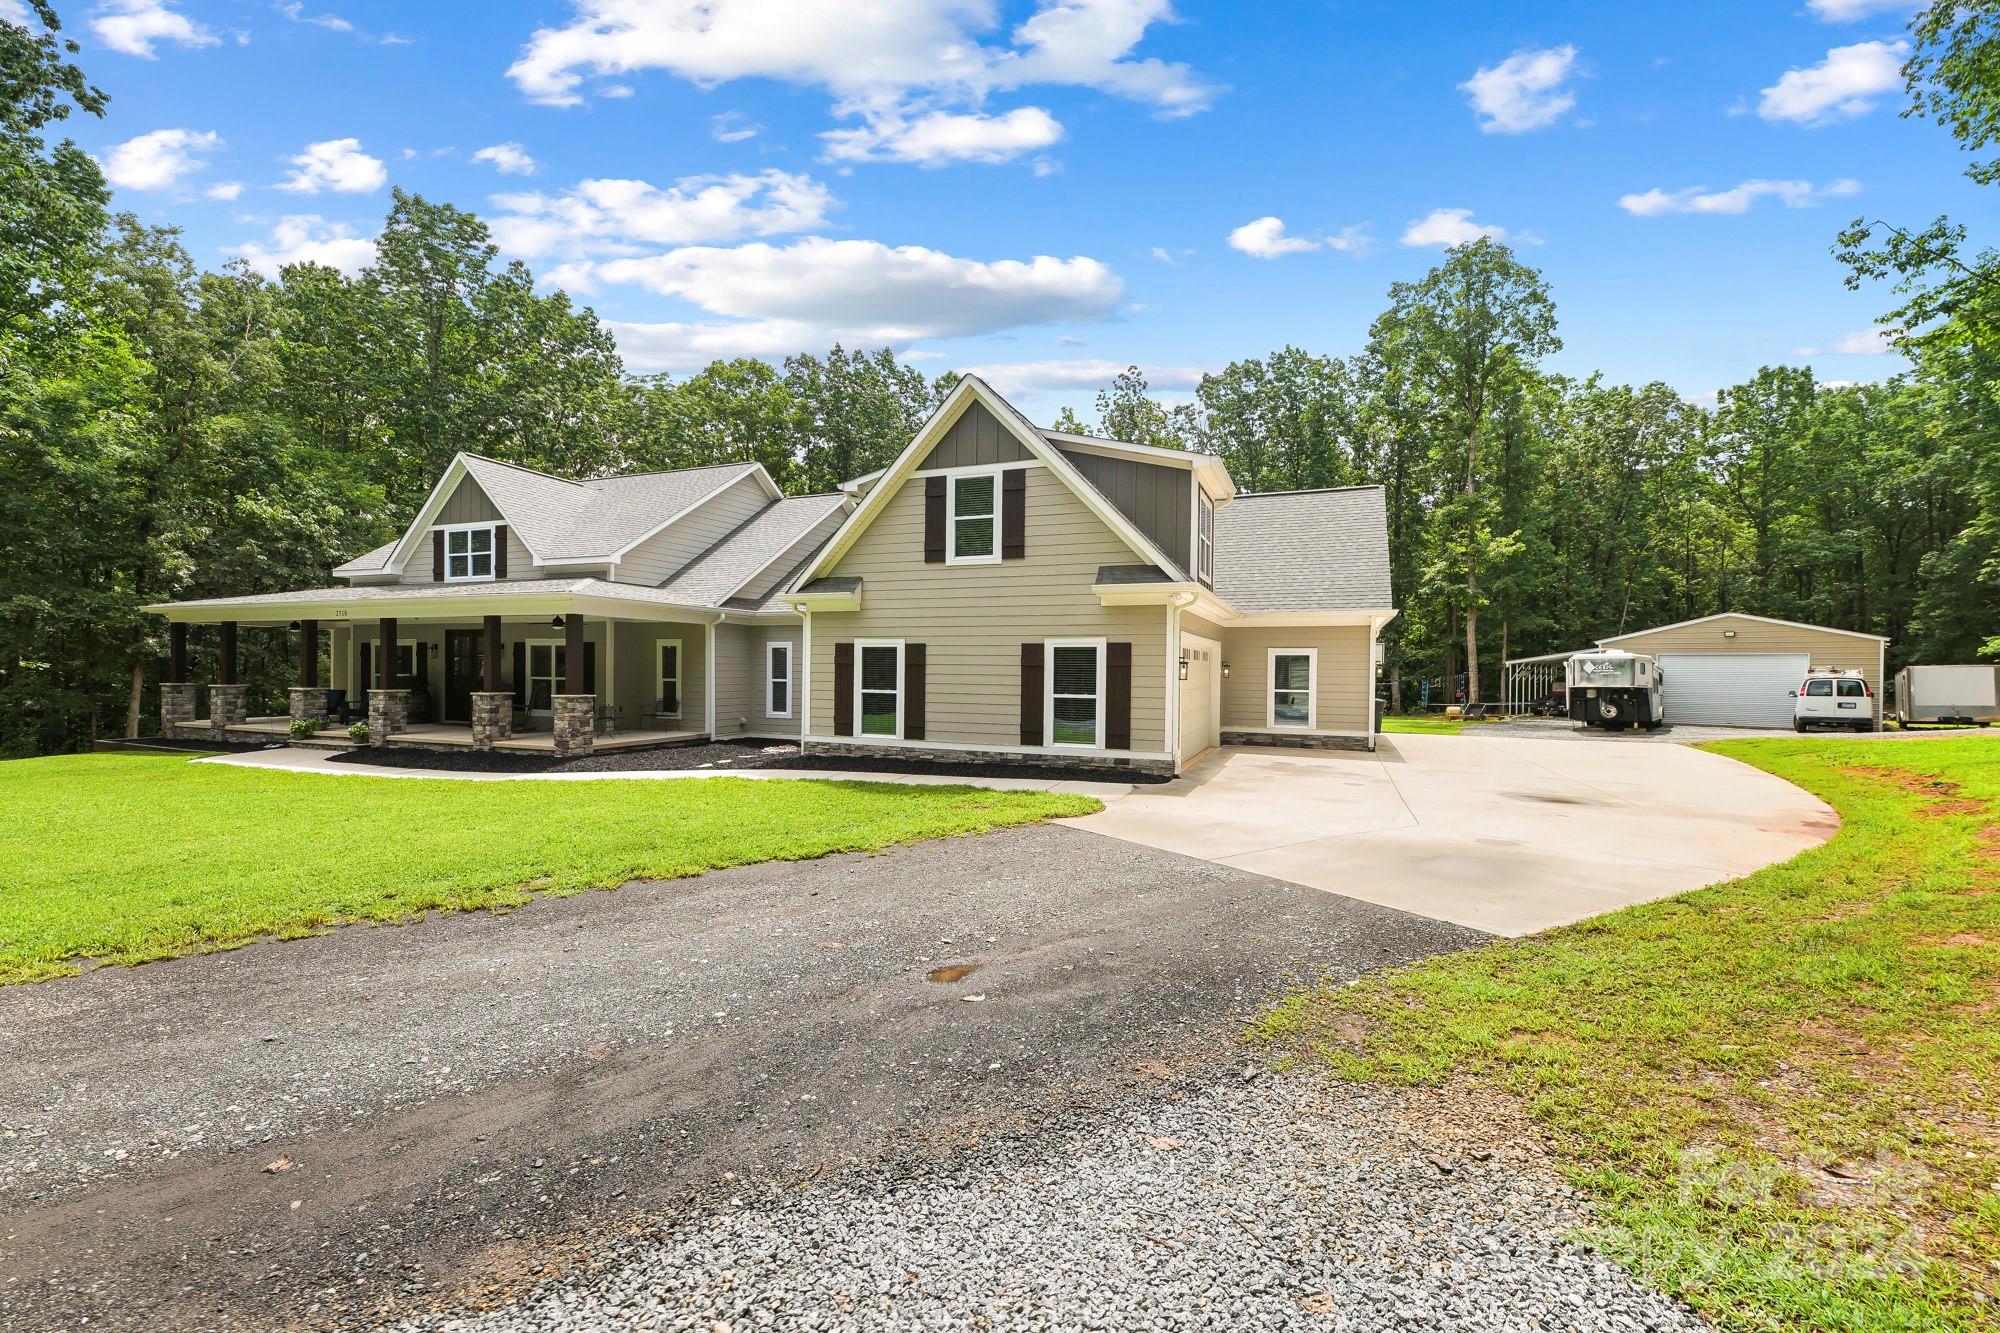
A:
[309,702]
[228,706]
[177,704]
[492,717]
[575,724]
[388,713]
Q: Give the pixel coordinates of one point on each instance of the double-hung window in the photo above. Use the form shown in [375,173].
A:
[1076,693]
[973,533]
[546,665]
[1204,537]
[878,671]
[777,680]
[668,678]
[468,554]
[1294,673]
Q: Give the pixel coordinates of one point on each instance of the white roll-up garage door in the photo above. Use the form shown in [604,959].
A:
[1201,699]
[1730,689]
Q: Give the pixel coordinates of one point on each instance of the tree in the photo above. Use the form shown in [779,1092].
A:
[855,412]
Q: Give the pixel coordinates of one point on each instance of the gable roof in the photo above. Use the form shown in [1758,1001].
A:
[1743,615]
[971,388]
[715,576]
[1287,551]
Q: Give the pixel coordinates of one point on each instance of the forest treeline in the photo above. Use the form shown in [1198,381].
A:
[168,432]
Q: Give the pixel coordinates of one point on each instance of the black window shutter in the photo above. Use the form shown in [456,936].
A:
[1117,696]
[934,520]
[913,691]
[1031,694]
[520,673]
[500,552]
[843,689]
[1014,513]
[437,556]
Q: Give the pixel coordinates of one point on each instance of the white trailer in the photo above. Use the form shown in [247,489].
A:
[1614,689]
[1963,695]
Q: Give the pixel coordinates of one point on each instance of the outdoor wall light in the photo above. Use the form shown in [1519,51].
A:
[1184,664]
[1729,634]
[557,622]
[1225,671]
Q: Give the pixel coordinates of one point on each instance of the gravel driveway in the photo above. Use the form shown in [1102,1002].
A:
[390,1119]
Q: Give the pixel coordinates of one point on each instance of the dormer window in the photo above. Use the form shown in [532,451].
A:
[1204,537]
[468,553]
[974,511]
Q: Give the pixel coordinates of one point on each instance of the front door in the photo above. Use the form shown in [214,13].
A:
[464,672]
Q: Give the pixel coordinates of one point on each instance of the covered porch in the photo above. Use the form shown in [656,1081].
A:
[541,668]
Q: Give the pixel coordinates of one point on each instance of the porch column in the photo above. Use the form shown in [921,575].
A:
[228,701]
[389,702]
[308,699]
[492,707]
[177,703]
[225,648]
[576,709]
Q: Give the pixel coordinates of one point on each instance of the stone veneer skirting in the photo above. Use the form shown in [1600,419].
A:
[228,706]
[492,717]
[177,705]
[388,713]
[1110,763]
[309,701]
[575,724]
[1280,740]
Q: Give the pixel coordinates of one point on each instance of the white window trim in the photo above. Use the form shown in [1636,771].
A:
[772,676]
[951,555]
[555,677]
[680,675]
[1049,647]
[1271,688]
[1204,556]
[492,559]
[861,647]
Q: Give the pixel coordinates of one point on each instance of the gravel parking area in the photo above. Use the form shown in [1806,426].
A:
[1284,1203]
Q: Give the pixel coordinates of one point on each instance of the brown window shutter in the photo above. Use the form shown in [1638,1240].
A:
[500,552]
[913,691]
[437,556]
[933,520]
[1031,694]
[520,673]
[843,689]
[1117,696]
[1014,513]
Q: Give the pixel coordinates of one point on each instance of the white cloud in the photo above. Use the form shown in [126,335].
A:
[770,300]
[224,190]
[158,159]
[733,127]
[1844,85]
[134,26]
[509,159]
[1266,239]
[335,164]
[1736,199]
[1523,92]
[16,12]
[1850,11]
[307,238]
[295,11]
[617,216]
[1024,377]
[1864,342]
[1449,227]
[938,137]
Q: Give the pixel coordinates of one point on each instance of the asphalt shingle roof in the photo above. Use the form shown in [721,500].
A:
[1304,551]
[718,572]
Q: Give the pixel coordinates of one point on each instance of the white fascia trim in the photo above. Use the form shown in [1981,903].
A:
[1144,594]
[770,615]
[1183,458]
[1053,751]
[790,547]
[1307,619]
[1743,615]
[969,388]
[825,601]
[770,489]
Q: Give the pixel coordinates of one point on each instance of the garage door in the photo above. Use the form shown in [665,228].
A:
[1731,689]
[1201,695]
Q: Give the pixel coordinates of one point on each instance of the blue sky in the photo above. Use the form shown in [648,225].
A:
[1050,189]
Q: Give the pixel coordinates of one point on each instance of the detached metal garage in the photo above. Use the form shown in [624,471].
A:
[1737,670]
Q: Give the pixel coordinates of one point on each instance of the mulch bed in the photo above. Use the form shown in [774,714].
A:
[739,754]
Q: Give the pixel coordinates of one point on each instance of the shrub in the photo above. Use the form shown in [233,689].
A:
[303,727]
[358,733]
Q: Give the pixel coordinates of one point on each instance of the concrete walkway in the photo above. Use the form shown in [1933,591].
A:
[1505,835]
[293,760]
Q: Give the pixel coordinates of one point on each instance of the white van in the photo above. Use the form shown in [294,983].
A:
[1833,697]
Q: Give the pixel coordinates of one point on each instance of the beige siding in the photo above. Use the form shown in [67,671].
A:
[741,687]
[467,503]
[638,666]
[974,618]
[1344,684]
[658,558]
[1823,648]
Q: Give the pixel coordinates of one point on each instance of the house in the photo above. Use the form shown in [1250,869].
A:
[998,592]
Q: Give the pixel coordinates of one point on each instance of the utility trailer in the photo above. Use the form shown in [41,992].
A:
[1960,695]
[1614,689]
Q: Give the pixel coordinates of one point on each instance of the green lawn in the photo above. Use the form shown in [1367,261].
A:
[1421,724]
[1782,1092]
[124,858]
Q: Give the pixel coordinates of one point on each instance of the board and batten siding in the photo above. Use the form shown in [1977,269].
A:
[663,555]
[1822,647]
[1344,686]
[973,619]
[1159,500]
[468,503]
[976,439]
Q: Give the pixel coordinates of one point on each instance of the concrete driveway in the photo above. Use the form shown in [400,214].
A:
[1504,835]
